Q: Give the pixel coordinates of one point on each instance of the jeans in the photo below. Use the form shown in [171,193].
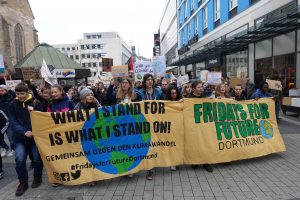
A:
[22,148]
[1,139]
[10,135]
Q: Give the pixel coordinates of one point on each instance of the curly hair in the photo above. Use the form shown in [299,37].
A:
[169,95]
[218,91]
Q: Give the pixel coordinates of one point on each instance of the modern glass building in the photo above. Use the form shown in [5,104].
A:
[240,38]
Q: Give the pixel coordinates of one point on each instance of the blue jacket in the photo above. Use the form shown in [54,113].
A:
[61,105]
[156,95]
[260,94]
[19,115]
[5,100]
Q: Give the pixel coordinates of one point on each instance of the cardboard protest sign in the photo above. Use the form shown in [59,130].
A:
[159,66]
[11,84]
[119,71]
[235,81]
[274,85]
[214,78]
[88,145]
[142,68]
[29,73]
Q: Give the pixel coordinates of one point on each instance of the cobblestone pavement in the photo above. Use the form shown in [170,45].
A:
[276,176]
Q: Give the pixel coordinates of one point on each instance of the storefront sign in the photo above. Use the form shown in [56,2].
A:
[2,66]
[65,73]
[213,61]
[89,145]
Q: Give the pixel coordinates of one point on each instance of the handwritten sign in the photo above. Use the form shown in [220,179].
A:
[142,68]
[11,84]
[214,78]
[159,66]
[119,71]
[29,73]
[274,85]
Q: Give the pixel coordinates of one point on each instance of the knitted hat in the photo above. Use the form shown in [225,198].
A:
[4,87]
[84,92]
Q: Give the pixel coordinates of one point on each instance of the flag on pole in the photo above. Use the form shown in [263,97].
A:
[47,75]
[130,64]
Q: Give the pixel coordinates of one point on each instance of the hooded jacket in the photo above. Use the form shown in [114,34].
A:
[61,105]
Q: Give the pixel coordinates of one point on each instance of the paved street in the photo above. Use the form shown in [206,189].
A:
[275,176]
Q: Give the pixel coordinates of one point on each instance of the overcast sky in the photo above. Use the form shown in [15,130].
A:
[65,21]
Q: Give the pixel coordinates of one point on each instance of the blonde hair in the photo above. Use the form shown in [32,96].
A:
[218,90]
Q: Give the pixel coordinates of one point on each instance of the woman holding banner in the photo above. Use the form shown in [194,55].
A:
[87,100]
[124,94]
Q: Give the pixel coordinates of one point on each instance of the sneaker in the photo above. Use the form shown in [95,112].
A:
[37,181]
[130,176]
[208,167]
[55,184]
[173,168]
[21,189]
[3,153]
[10,153]
[150,175]
[1,175]
[93,183]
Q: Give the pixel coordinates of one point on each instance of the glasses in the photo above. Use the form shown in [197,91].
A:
[149,79]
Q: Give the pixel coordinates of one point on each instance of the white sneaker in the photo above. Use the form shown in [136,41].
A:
[3,153]
[10,153]
[173,168]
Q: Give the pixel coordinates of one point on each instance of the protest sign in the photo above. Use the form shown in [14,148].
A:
[235,81]
[83,146]
[2,66]
[11,84]
[159,66]
[226,130]
[203,75]
[274,85]
[109,142]
[29,73]
[183,79]
[119,71]
[142,68]
[168,77]
[214,78]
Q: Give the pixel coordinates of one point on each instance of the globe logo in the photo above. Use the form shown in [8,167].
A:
[266,129]
[118,153]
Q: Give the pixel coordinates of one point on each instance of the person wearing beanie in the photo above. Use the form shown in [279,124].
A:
[87,99]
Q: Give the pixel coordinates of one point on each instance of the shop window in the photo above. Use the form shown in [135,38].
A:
[72,57]
[73,48]
[237,65]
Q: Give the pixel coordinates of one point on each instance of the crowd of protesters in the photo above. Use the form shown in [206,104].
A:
[16,106]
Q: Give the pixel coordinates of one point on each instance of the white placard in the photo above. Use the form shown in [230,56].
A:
[214,78]
[142,68]
[11,84]
[159,66]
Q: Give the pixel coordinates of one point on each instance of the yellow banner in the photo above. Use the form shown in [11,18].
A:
[83,146]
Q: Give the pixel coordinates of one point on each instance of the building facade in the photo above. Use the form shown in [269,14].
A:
[94,47]
[18,35]
[240,38]
[168,32]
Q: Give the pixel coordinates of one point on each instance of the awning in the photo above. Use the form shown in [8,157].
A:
[277,25]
